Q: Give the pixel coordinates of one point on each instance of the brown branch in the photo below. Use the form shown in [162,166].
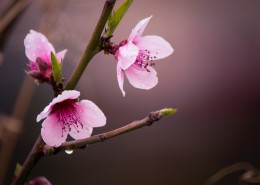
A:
[39,149]
[252,174]
[8,19]
[13,12]
[79,144]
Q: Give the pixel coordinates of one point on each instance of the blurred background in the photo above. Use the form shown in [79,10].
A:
[213,78]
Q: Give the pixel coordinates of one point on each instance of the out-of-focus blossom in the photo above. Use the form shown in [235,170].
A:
[39,181]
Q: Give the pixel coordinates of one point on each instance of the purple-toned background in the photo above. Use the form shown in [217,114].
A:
[213,78]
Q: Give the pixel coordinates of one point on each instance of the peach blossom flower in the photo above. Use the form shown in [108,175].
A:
[135,57]
[66,115]
[38,50]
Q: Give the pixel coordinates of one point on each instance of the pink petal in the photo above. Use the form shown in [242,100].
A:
[142,79]
[138,29]
[52,131]
[127,55]
[65,95]
[44,113]
[60,55]
[90,115]
[71,94]
[37,45]
[156,45]
[120,78]
[81,133]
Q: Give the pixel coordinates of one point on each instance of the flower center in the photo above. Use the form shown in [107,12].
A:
[144,59]
[40,70]
[68,116]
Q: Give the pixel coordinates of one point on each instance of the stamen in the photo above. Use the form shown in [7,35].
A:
[144,59]
[68,116]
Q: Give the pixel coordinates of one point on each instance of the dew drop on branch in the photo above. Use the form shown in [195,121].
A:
[69,151]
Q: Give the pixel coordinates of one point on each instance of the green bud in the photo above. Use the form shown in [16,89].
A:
[167,111]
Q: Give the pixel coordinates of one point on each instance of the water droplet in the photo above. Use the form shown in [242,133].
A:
[68,151]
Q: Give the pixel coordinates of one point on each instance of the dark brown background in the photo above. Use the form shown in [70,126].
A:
[213,78]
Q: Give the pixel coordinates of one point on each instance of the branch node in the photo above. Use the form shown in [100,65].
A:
[153,116]
[47,150]
[102,137]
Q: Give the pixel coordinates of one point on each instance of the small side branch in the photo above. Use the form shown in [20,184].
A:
[39,148]
[79,144]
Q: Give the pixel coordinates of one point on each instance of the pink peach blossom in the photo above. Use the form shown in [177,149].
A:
[136,55]
[38,50]
[66,115]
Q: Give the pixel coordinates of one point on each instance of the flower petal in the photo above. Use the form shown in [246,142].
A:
[44,113]
[138,29]
[120,78]
[127,55]
[90,115]
[60,55]
[81,133]
[37,45]
[142,79]
[65,95]
[156,45]
[52,132]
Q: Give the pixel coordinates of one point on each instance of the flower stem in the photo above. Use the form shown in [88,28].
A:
[93,47]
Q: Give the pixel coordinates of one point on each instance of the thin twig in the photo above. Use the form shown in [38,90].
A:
[93,47]
[39,149]
[79,144]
